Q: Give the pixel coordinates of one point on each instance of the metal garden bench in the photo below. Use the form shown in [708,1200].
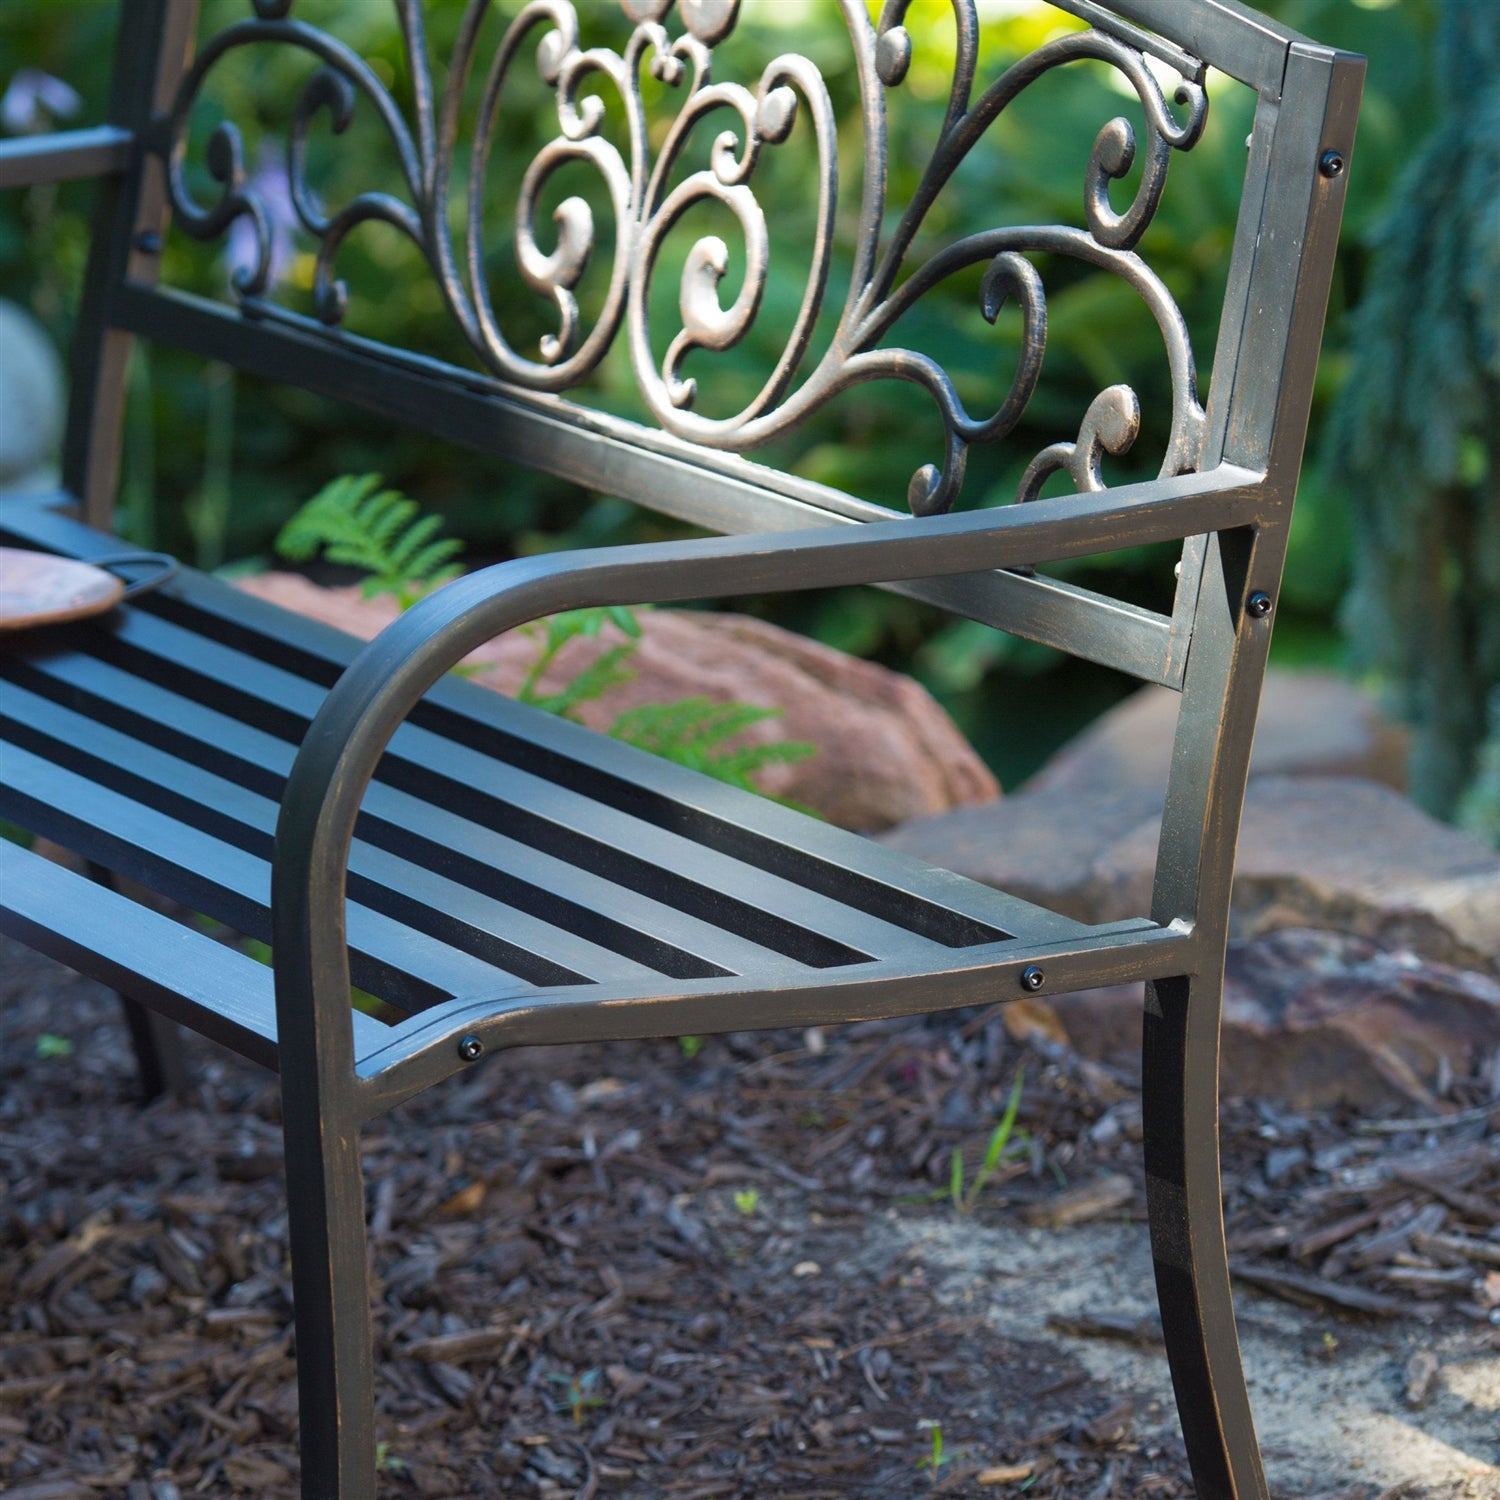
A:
[502,878]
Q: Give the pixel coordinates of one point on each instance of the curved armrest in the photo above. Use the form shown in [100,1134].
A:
[386,681]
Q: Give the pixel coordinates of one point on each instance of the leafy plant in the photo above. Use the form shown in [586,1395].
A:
[354,521]
[747,1200]
[1005,1141]
[606,671]
[49,1045]
[694,731]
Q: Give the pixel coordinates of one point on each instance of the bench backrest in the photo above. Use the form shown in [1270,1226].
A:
[705,142]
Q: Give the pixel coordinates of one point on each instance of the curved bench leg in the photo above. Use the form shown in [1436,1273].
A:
[331,1297]
[1180,1104]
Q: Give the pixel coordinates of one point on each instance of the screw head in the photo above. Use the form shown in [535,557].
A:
[1032,978]
[1258,605]
[148,242]
[1331,164]
[470,1048]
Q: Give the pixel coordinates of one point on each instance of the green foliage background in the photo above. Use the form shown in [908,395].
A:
[215,464]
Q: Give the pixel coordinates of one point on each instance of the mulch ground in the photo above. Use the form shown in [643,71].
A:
[630,1271]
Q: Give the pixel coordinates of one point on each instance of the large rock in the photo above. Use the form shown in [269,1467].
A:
[1329,852]
[1310,724]
[1319,1019]
[31,398]
[887,752]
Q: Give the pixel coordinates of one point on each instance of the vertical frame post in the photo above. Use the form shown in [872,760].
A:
[1259,413]
[153,49]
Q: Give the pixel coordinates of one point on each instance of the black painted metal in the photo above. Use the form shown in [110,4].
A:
[504,879]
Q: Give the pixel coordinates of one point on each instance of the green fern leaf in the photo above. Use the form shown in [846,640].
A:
[693,731]
[355,522]
[606,671]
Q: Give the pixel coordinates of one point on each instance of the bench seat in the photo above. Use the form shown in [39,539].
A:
[501,852]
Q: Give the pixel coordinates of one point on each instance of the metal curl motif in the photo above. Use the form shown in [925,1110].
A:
[648,193]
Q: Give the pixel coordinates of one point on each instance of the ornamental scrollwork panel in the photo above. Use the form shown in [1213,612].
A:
[650,185]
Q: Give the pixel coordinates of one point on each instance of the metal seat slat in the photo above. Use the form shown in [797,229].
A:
[810,854]
[289,661]
[514,941]
[552,817]
[222,881]
[184,973]
[661,938]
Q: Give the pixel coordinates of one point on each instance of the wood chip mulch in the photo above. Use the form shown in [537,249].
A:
[630,1271]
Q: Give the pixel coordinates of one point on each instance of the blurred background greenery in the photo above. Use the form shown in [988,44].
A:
[214,463]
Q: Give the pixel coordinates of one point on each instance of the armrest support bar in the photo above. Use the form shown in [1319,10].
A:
[61,156]
[345,742]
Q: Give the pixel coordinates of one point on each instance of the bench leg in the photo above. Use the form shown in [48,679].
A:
[160,1062]
[1180,1101]
[331,1296]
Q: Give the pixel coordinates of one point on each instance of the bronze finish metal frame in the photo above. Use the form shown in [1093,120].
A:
[1225,490]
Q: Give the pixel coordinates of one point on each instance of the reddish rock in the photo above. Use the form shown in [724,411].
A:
[886,751]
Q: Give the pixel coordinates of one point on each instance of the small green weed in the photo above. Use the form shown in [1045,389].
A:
[690,1046]
[49,1045]
[581,1394]
[1005,1141]
[386,1462]
[747,1200]
[934,1460]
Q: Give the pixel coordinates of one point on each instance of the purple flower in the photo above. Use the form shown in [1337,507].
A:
[34,99]
[269,184]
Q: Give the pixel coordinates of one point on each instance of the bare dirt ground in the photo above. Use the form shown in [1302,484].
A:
[627,1271]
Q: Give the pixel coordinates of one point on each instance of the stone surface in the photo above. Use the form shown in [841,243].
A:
[1330,852]
[1310,724]
[1400,979]
[1042,846]
[31,397]
[1320,1019]
[887,752]
[1343,854]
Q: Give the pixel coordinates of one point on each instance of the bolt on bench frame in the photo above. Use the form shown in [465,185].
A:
[267,771]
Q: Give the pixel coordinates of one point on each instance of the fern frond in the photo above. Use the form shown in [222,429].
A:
[606,671]
[326,518]
[554,632]
[355,522]
[693,733]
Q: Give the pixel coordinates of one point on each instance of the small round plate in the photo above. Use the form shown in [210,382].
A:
[38,589]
